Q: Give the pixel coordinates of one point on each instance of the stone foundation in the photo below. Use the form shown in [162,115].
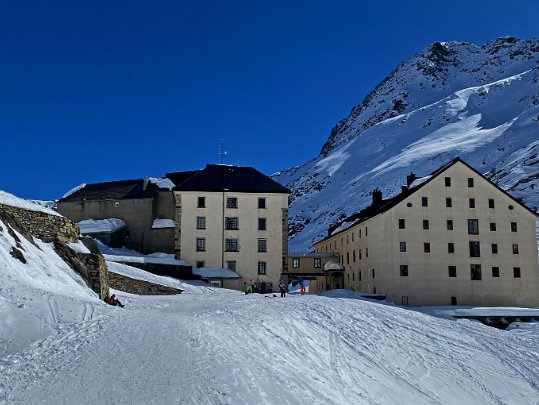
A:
[133,286]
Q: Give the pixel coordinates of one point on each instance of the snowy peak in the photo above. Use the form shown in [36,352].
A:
[450,99]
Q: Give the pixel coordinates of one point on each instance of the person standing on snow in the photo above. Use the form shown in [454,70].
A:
[282,287]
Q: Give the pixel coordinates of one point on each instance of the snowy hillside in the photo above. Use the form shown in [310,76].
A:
[451,99]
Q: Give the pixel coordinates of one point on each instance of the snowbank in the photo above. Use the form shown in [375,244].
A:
[163,223]
[10,199]
[100,225]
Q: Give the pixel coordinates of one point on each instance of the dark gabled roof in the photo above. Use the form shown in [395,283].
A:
[180,177]
[114,190]
[231,178]
[385,205]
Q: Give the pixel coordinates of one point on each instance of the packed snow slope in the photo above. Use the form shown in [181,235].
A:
[451,99]
[59,344]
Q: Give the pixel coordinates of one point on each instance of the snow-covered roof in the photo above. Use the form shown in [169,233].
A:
[163,223]
[331,265]
[162,182]
[74,190]
[100,225]
[207,272]
[419,181]
[10,199]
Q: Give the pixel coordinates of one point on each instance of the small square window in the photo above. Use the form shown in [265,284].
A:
[426,247]
[318,262]
[262,245]
[424,201]
[470,182]
[201,202]
[200,265]
[516,272]
[450,248]
[491,202]
[403,246]
[493,226]
[261,203]
[201,222]
[475,271]
[261,224]
[494,248]
[448,202]
[474,249]
[231,245]
[402,223]
[231,202]
[404,270]
[515,248]
[452,270]
[231,265]
[471,202]
[425,224]
[513,226]
[231,223]
[448,181]
[261,267]
[473,227]
[295,262]
[495,272]
[449,224]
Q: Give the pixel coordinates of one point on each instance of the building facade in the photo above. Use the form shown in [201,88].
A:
[451,238]
[322,270]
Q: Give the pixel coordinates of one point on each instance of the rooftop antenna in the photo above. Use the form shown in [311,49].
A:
[222,151]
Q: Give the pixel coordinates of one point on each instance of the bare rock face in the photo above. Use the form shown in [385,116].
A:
[450,99]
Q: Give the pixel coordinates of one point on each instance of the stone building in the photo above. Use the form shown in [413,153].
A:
[451,238]
[220,217]
[323,271]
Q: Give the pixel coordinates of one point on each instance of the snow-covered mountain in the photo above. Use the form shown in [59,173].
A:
[451,99]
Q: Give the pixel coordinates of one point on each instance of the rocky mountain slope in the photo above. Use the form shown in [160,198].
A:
[451,99]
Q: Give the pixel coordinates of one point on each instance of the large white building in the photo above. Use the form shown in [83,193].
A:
[451,238]
[233,218]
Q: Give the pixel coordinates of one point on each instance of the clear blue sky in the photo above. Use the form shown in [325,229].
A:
[106,90]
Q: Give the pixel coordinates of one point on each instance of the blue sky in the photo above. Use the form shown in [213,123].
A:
[106,90]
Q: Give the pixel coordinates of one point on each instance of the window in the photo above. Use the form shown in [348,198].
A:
[261,267]
[261,224]
[425,224]
[448,181]
[373,273]
[452,270]
[449,224]
[402,224]
[354,255]
[366,231]
[261,203]
[424,201]
[491,202]
[231,265]
[453,300]
[471,202]
[262,245]
[360,276]
[201,222]
[473,227]
[404,270]
[494,248]
[366,252]
[295,262]
[347,257]
[426,247]
[201,203]
[353,276]
[475,271]
[515,249]
[404,300]
[495,272]
[231,245]
[493,226]
[448,202]
[200,265]
[360,234]
[231,223]
[352,236]
[231,202]
[474,249]
[347,239]
[403,247]
[360,255]
[201,244]
[470,182]
[516,272]
[450,248]
[317,263]
[513,226]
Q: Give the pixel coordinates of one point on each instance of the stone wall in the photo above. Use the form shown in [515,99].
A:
[47,227]
[168,270]
[133,286]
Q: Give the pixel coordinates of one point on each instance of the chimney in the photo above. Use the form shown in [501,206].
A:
[410,178]
[376,197]
[404,189]
[145,183]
